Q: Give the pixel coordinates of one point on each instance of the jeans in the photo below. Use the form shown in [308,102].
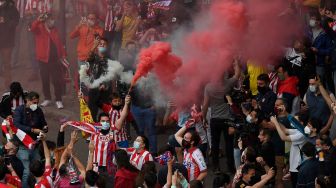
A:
[218,126]
[320,71]
[26,155]
[145,119]
[237,157]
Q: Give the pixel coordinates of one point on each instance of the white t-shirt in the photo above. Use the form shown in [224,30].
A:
[297,140]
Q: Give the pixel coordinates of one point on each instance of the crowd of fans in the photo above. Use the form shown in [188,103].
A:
[278,121]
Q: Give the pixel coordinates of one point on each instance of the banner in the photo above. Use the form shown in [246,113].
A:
[85,115]
[83,126]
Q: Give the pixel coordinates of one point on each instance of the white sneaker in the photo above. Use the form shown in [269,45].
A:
[45,103]
[59,104]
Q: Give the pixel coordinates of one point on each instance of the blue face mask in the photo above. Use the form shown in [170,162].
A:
[105,125]
[136,145]
[102,50]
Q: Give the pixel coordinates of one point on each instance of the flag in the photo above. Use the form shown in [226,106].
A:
[83,126]
[21,135]
[85,115]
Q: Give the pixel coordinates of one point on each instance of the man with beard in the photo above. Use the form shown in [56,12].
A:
[12,99]
[104,146]
[9,19]
[193,158]
[49,51]
[118,115]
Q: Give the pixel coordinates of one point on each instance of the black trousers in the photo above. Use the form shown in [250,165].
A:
[217,126]
[294,177]
[53,71]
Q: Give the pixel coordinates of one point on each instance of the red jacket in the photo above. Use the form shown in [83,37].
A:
[42,41]
[125,178]
[290,85]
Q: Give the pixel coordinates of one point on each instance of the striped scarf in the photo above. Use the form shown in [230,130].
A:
[21,135]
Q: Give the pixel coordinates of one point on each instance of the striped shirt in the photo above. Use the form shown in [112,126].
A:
[104,145]
[119,135]
[139,159]
[194,162]
[274,80]
[42,6]
[46,181]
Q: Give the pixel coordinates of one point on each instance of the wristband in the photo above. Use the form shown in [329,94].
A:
[173,186]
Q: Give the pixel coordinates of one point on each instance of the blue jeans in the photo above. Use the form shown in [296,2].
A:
[26,155]
[145,119]
[237,157]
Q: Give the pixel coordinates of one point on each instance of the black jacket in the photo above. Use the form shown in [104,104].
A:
[26,119]
[308,171]
[7,29]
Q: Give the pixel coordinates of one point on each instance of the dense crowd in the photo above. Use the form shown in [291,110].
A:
[278,120]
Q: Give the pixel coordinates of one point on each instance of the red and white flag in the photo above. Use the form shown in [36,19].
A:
[83,126]
[21,135]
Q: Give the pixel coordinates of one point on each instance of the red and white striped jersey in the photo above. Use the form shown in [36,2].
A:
[46,181]
[274,80]
[119,135]
[104,145]
[194,161]
[16,103]
[139,159]
[41,6]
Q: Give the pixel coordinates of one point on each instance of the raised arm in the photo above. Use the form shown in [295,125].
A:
[46,150]
[120,122]
[179,135]
[280,130]
[264,180]
[89,165]
[79,165]
[205,106]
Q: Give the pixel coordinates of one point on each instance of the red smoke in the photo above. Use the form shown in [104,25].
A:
[252,29]
[159,58]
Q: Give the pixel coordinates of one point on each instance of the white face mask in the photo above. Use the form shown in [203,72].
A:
[312,88]
[334,28]
[33,107]
[249,118]
[307,131]
[312,23]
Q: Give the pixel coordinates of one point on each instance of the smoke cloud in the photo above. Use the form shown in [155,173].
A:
[253,29]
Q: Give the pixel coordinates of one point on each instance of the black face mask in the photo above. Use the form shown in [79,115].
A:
[262,90]
[105,132]
[186,144]
[116,107]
